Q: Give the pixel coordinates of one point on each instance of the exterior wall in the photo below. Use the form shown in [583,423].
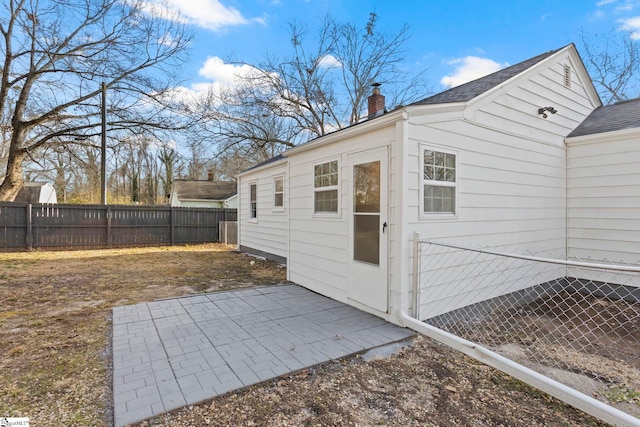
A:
[604,197]
[318,253]
[511,176]
[197,204]
[267,234]
[231,202]
[48,194]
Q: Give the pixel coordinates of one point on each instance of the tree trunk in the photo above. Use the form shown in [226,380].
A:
[13,181]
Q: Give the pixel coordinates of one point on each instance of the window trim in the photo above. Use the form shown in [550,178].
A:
[326,214]
[276,208]
[253,217]
[438,215]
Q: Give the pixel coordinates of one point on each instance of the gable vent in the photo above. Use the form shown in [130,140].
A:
[567,76]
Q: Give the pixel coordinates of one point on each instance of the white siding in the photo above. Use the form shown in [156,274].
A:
[604,198]
[511,177]
[319,244]
[268,233]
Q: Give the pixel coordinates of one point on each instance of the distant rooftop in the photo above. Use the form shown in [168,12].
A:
[610,118]
[204,190]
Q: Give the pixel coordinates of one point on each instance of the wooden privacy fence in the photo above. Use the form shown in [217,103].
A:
[29,226]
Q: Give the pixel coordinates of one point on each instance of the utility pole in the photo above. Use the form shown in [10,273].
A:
[103,171]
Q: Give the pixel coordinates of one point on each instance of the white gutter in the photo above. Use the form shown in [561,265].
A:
[554,388]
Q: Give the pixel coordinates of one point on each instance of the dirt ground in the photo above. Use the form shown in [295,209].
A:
[55,329]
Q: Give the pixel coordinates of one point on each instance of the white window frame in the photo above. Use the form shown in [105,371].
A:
[423,182]
[277,208]
[253,218]
[316,190]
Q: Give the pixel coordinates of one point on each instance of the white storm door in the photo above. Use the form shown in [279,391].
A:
[368,283]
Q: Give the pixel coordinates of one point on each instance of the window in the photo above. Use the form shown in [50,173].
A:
[326,187]
[439,182]
[253,201]
[278,192]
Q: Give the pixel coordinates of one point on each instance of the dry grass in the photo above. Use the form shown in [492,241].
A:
[55,319]
[54,358]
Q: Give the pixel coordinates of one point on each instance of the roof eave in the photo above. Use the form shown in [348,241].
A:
[359,129]
[604,136]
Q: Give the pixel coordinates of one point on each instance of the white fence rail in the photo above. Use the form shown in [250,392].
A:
[577,323]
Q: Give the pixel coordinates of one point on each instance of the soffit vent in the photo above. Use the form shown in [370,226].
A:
[567,76]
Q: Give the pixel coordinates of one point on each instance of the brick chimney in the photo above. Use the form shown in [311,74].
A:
[376,102]
[210,175]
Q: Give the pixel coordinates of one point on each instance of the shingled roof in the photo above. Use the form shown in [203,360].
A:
[610,118]
[468,91]
[203,190]
[31,192]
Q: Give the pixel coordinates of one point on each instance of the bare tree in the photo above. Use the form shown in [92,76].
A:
[54,54]
[169,160]
[320,87]
[613,61]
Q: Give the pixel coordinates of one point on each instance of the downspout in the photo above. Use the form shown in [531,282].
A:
[554,388]
[400,219]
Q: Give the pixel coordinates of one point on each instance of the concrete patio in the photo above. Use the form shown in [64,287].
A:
[177,352]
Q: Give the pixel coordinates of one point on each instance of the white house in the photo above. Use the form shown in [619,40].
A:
[203,194]
[487,163]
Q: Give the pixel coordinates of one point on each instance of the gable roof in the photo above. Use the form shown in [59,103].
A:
[30,192]
[467,91]
[203,190]
[609,118]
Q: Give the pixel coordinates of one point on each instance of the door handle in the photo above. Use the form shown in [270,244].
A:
[384,226]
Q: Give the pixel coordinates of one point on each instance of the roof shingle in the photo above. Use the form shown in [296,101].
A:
[610,118]
[467,91]
[203,190]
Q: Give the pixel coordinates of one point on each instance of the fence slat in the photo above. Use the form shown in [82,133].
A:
[26,226]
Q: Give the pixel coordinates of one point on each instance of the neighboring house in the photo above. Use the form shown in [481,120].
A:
[484,164]
[36,192]
[203,194]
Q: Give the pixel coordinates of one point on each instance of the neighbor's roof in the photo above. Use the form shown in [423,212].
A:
[468,91]
[30,192]
[610,118]
[204,190]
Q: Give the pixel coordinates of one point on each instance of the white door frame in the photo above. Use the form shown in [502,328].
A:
[368,282]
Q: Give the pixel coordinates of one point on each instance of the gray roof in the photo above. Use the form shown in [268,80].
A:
[468,91]
[266,162]
[610,118]
[204,190]
[30,192]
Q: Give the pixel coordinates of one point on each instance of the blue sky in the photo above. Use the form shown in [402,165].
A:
[456,40]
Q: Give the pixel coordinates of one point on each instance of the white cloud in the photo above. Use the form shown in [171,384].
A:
[470,68]
[210,14]
[218,76]
[605,2]
[632,25]
[330,61]
[214,68]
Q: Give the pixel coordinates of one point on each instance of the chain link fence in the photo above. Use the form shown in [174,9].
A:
[572,321]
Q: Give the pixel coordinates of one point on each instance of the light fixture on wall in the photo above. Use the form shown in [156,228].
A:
[543,111]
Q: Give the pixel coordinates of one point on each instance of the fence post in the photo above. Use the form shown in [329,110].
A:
[109,236]
[29,228]
[416,272]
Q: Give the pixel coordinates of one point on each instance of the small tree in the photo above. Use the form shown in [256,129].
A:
[54,55]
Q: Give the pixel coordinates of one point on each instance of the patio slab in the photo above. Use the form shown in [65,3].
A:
[177,352]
